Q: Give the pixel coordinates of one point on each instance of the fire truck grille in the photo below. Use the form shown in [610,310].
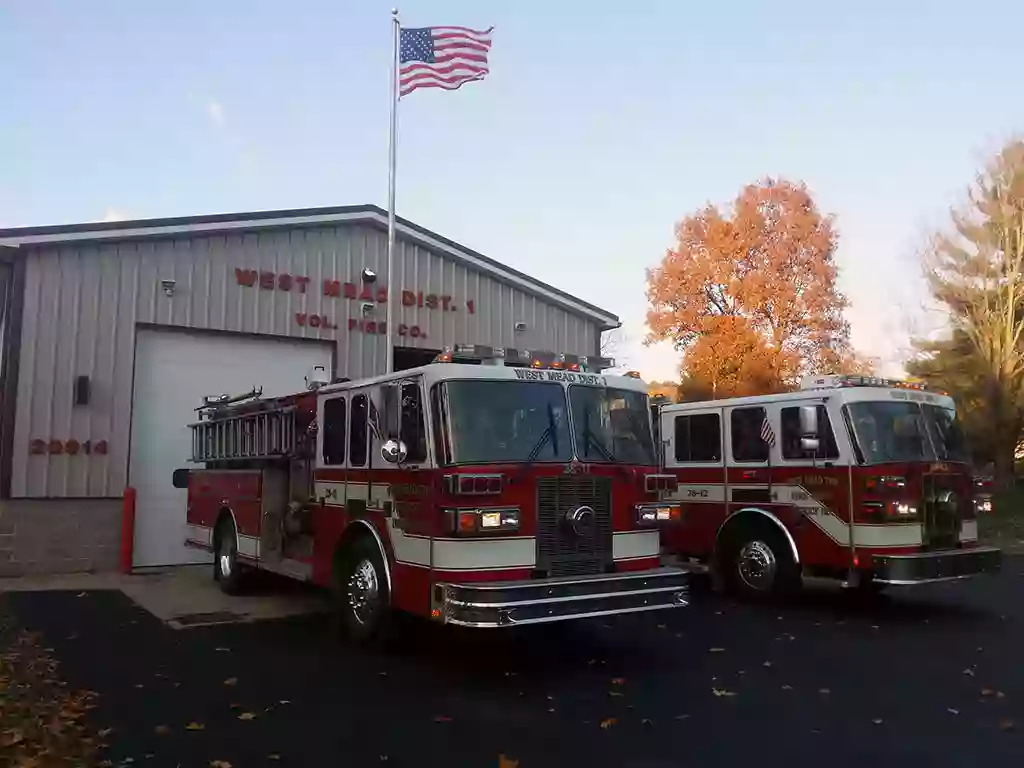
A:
[562,548]
[943,510]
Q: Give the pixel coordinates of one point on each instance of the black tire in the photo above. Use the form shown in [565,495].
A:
[228,572]
[757,562]
[362,597]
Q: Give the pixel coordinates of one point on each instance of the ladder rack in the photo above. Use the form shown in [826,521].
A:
[265,434]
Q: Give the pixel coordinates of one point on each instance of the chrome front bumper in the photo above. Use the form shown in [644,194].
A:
[927,567]
[515,603]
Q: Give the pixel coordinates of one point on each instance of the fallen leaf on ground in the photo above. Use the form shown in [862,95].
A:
[607,723]
[81,594]
[618,681]
[615,693]
[716,650]
[986,692]
[722,692]
[507,762]
[247,716]
[104,732]
[787,687]
[442,719]
[195,727]
[220,764]
[231,681]
[1006,724]
[877,720]
[766,664]
[273,756]
[969,671]
[682,717]
[646,721]
[952,711]
[221,649]
[285,701]
[12,737]
[824,690]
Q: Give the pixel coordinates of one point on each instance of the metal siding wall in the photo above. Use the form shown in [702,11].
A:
[84,301]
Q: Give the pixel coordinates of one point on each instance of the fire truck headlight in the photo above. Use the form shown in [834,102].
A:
[499,519]
[468,522]
[653,514]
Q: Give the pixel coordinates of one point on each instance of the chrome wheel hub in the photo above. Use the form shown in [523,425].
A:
[363,591]
[756,565]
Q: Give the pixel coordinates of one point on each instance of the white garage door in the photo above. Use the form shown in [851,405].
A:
[173,371]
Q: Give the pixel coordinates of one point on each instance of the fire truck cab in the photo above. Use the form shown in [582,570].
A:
[491,488]
[851,478]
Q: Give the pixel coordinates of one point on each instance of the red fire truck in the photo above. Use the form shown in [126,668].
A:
[491,488]
[851,478]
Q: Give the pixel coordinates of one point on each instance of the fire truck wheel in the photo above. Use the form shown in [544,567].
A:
[227,571]
[363,599]
[757,562]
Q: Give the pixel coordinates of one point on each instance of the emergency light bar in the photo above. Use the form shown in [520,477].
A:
[480,353]
[834,381]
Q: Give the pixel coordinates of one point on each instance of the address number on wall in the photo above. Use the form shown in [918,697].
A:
[71,447]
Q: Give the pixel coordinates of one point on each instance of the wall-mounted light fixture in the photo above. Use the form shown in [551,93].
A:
[367,308]
[520,326]
[168,286]
[368,276]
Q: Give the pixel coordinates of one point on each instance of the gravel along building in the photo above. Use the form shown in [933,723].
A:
[112,333]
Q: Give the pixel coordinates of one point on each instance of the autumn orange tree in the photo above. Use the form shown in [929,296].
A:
[749,295]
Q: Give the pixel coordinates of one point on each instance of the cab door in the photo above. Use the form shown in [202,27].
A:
[693,449]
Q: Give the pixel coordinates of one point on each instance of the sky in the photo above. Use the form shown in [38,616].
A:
[599,127]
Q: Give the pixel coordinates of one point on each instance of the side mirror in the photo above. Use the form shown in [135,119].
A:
[391,405]
[180,478]
[808,421]
[393,451]
[809,445]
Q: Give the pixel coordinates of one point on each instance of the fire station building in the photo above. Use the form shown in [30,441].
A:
[111,334]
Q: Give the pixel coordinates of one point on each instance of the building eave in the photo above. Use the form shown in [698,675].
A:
[370,215]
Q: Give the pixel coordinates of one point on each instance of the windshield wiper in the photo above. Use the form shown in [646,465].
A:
[591,438]
[550,433]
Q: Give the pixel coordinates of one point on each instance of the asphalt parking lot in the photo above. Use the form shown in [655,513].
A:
[933,676]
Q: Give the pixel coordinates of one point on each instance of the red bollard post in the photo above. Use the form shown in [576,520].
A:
[128,530]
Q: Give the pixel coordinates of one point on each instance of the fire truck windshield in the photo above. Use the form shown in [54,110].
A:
[894,431]
[611,425]
[506,421]
[503,421]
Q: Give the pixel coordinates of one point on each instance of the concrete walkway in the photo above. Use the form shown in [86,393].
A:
[187,596]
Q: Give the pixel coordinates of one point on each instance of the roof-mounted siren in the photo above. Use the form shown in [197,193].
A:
[317,377]
[596,363]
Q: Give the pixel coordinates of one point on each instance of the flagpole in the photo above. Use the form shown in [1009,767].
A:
[389,352]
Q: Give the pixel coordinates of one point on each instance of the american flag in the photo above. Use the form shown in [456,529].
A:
[767,433]
[441,57]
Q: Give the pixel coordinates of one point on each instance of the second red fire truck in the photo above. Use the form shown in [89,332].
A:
[861,480]
[493,488]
